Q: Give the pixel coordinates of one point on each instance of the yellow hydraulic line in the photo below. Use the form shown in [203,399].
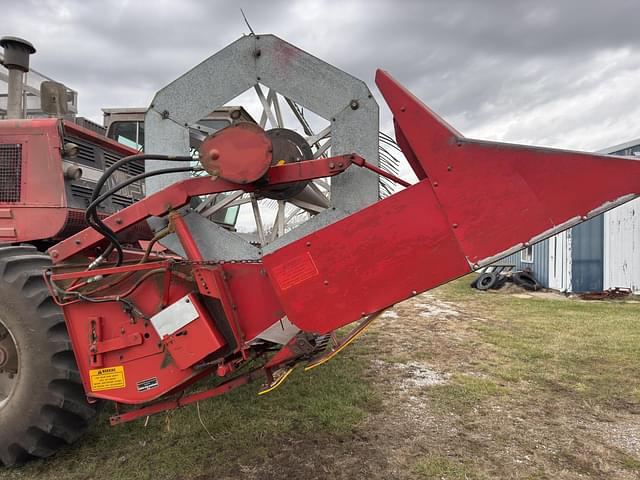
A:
[277,383]
[352,336]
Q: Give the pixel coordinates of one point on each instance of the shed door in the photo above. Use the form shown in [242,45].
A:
[587,253]
[560,261]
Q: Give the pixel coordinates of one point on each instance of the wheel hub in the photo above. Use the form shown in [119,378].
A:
[8,364]
[288,147]
[4,356]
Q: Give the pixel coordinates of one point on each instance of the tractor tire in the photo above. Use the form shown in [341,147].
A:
[486,281]
[42,401]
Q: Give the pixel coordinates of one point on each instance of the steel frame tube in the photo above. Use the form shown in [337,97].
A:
[14,94]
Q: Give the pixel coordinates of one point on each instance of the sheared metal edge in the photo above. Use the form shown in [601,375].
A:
[281,331]
[553,231]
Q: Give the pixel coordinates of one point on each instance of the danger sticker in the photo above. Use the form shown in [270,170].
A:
[294,271]
[107,378]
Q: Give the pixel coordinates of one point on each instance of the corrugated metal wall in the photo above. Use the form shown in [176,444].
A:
[539,266]
[622,237]
[587,256]
[622,247]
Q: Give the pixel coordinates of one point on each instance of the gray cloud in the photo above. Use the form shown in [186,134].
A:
[558,73]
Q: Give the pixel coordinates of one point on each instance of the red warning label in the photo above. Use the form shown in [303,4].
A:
[294,271]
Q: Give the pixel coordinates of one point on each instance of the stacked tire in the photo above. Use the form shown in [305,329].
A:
[492,280]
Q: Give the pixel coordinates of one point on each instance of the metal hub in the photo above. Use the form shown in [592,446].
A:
[288,147]
[8,364]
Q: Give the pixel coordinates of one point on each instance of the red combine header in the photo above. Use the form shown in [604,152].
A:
[151,326]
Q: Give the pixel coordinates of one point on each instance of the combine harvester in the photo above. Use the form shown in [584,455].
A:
[145,326]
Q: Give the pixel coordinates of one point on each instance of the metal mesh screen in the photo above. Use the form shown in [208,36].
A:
[10,172]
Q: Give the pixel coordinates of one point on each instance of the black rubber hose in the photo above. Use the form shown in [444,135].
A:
[107,232]
[91,214]
[98,225]
[132,158]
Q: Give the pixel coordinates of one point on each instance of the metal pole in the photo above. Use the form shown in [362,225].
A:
[14,94]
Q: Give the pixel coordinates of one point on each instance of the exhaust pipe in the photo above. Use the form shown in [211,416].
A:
[16,59]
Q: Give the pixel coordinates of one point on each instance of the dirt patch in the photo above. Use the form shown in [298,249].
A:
[415,374]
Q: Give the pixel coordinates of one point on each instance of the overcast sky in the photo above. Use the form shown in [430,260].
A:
[555,73]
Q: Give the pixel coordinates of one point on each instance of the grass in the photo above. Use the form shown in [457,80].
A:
[463,393]
[244,428]
[529,379]
[439,467]
[584,349]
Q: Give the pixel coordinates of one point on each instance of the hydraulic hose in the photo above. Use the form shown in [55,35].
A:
[91,215]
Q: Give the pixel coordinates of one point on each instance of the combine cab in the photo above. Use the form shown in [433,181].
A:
[144,327]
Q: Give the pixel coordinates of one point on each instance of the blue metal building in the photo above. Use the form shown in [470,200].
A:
[601,253]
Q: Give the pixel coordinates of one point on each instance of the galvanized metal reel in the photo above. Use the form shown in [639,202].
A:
[296,78]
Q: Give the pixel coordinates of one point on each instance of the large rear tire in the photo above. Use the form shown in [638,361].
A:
[42,401]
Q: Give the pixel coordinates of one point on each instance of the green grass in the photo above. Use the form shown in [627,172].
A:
[631,463]
[245,427]
[439,467]
[586,350]
[462,393]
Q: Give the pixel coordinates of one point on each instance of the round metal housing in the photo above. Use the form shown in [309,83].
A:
[16,53]
[239,154]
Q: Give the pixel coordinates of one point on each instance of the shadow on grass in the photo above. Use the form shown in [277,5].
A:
[242,427]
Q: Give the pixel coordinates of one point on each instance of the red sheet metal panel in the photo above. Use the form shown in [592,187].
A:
[256,303]
[367,261]
[504,194]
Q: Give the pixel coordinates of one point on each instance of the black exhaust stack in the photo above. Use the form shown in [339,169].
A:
[16,59]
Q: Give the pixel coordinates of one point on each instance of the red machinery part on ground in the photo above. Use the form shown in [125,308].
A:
[475,203]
